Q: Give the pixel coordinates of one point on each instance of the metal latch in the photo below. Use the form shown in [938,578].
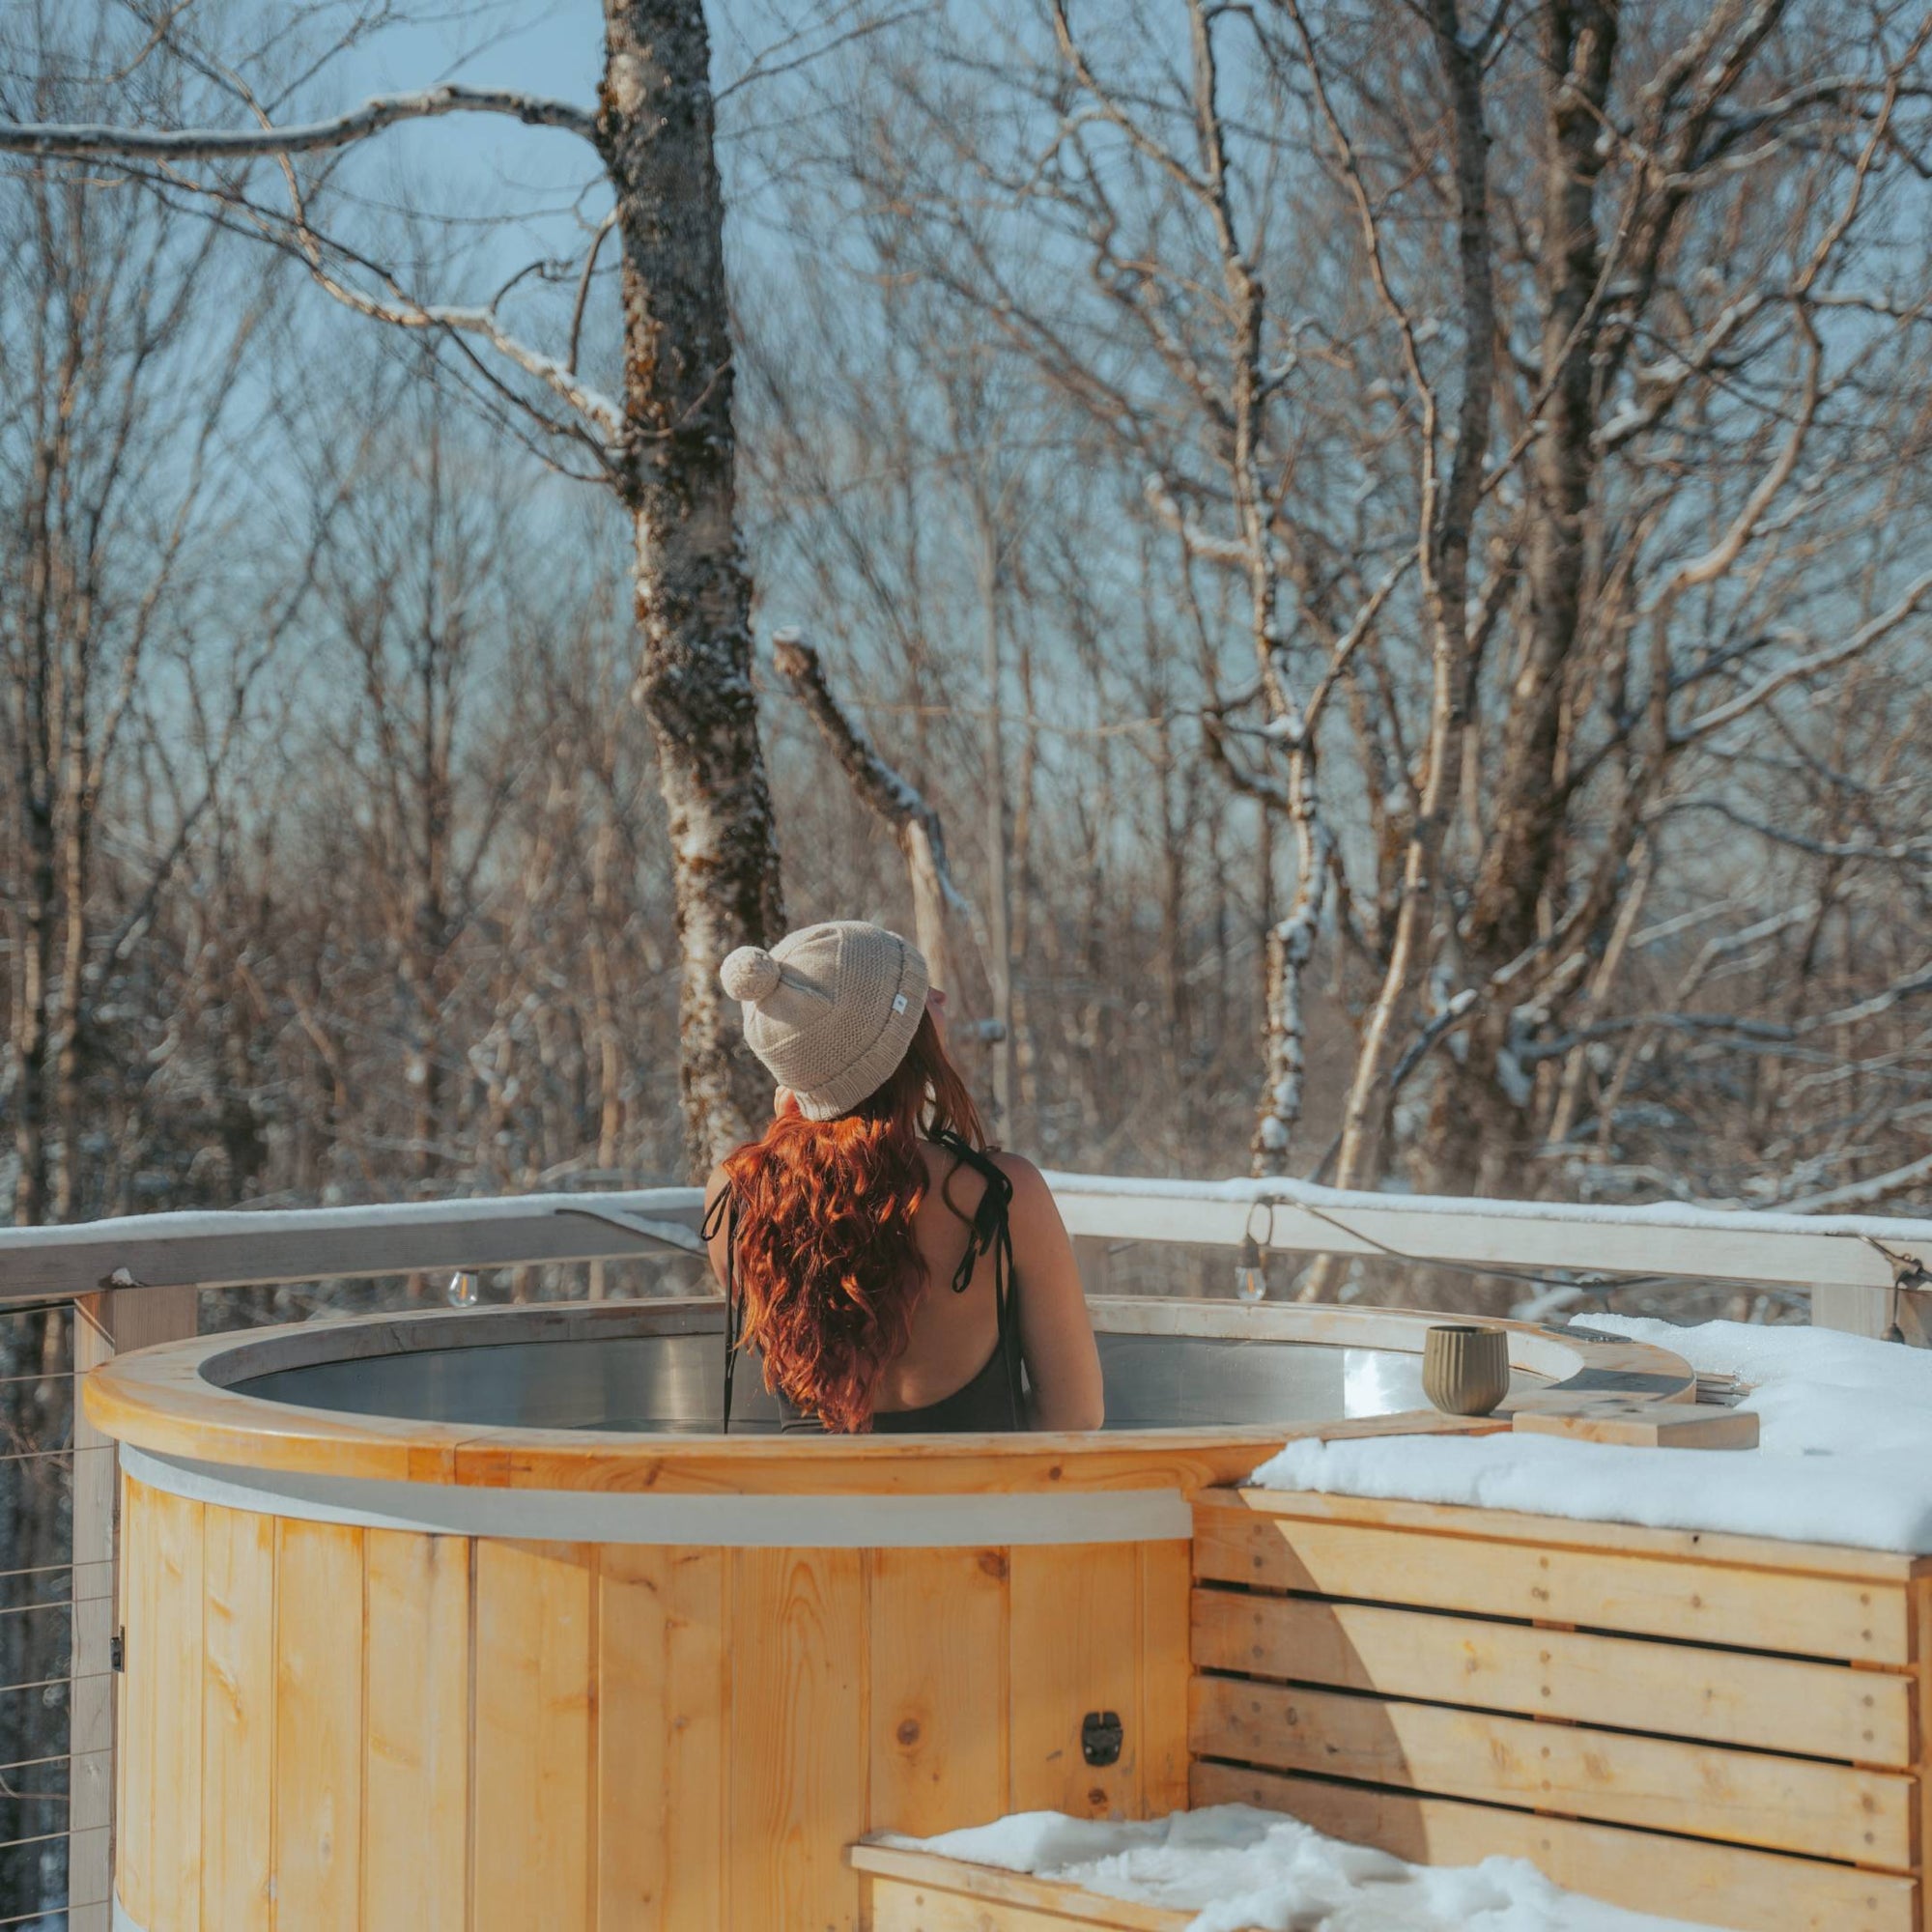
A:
[117,1650]
[1100,1737]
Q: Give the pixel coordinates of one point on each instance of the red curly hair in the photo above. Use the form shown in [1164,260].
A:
[826,1265]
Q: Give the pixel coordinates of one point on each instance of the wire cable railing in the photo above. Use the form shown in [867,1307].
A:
[71,1296]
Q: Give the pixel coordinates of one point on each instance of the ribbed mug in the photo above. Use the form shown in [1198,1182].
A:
[1466,1368]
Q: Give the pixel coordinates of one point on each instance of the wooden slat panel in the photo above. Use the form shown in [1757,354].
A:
[1812,1616]
[905,1876]
[1076,1618]
[417,1755]
[909,1908]
[1645,1871]
[531,1778]
[1775,1703]
[799,1730]
[1791,1804]
[135,1719]
[1922,1609]
[1729,1550]
[237,1718]
[318,1726]
[1165,1576]
[662,1688]
[939,1627]
[175,1846]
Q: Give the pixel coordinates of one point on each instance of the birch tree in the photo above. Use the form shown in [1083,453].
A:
[663,441]
[1492,367]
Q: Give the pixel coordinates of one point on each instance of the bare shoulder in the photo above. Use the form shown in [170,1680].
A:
[1028,1181]
[1033,1197]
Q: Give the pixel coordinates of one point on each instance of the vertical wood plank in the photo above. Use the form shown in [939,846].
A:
[1921,1619]
[1076,1619]
[939,1631]
[1166,1617]
[661,1724]
[318,1824]
[238,1719]
[797,1745]
[417,1753]
[137,1697]
[174,1855]
[532,1813]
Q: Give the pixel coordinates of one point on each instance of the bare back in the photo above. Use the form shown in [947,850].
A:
[954,1335]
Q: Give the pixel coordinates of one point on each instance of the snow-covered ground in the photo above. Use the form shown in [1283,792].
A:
[1237,1867]
[1844,1455]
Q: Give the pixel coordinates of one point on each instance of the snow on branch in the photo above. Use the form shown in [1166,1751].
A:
[915,822]
[79,140]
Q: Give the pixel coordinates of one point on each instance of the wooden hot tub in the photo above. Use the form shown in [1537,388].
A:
[470,1621]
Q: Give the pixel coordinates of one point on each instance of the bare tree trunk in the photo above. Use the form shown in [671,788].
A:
[678,479]
[914,823]
[999,965]
[1476,1134]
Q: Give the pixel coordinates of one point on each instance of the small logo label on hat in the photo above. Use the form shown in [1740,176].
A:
[899,1003]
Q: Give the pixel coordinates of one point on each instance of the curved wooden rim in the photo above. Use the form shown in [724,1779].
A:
[176,1401]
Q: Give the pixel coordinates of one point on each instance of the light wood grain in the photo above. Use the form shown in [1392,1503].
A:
[1814,1616]
[534,1694]
[1559,1532]
[1165,1651]
[416,1752]
[1751,1798]
[173,1402]
[939,1701]
[662,1686]
[1643,1871]
[1646,1426]
[916,1908]
[1922,1616]
[1773,1703]
[318,1768]
[797,1752]
[238,1719]
[1076,1648]
[921,1887]
[175,1839]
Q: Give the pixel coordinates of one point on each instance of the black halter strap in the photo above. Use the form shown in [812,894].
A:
[991,1232]
[724,1208]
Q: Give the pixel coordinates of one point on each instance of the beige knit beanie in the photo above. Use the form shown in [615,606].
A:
[830,1009]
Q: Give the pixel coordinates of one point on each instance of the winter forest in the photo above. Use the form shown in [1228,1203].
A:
[1360,573]
[1389,542]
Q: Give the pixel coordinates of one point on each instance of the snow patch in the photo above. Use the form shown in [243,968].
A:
[1237,1867]
[1844,1453]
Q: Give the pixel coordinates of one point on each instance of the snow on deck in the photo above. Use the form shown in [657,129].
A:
[1844,1455]
[1236,1867]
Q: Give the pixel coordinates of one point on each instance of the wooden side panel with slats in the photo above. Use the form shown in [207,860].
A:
[335,1726]
[1729,1732]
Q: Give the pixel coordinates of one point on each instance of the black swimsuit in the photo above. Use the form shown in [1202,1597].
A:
[995,1399]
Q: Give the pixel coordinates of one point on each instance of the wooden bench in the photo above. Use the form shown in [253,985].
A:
[1721,1728]
[921,1891]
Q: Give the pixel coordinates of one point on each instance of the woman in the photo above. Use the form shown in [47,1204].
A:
[886,1269]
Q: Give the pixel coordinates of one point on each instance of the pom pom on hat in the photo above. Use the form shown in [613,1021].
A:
[750,974]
